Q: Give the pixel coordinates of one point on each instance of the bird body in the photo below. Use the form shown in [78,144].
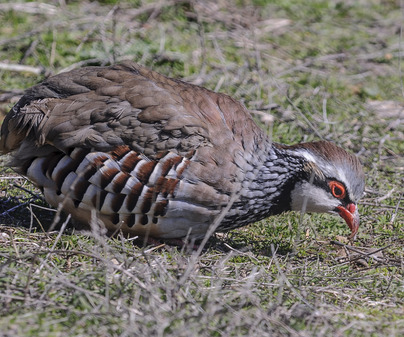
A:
[154,156]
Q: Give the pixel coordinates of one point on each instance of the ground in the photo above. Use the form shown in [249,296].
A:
[307,70]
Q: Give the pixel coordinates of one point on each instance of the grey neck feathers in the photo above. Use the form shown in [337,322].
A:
[268,192]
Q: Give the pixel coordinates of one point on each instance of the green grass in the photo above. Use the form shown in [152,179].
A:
[323,69]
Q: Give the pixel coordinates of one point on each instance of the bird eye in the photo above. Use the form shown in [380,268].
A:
[337,189]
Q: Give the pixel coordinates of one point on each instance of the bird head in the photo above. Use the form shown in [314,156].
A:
[333,181]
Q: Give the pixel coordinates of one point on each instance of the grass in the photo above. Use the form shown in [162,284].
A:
[323,69]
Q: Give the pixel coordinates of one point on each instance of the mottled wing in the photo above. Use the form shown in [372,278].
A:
[102,107]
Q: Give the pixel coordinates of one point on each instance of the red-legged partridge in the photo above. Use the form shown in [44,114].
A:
[160,157]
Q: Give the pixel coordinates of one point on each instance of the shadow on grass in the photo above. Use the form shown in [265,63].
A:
[34,214]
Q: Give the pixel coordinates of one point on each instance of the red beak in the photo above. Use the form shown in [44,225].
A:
[351,216]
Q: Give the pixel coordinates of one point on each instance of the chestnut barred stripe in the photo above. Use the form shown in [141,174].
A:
[166,186]
[171,162]
[129,162]
[119,182]
[147,200]
[163,167]
[181,167]
[144,170]
[119,152]
[160,208]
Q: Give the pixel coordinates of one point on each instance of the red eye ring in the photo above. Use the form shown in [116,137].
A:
[337,189]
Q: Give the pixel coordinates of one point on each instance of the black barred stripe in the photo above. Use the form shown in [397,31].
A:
[107,175]
[131,220]
[79,154]
[98,199]
[90,171]
[133,196]
[117,202]
[70,150]
[114,218]
[54,159]
[80,189]
[147,200]
[62,172]
[144,220]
